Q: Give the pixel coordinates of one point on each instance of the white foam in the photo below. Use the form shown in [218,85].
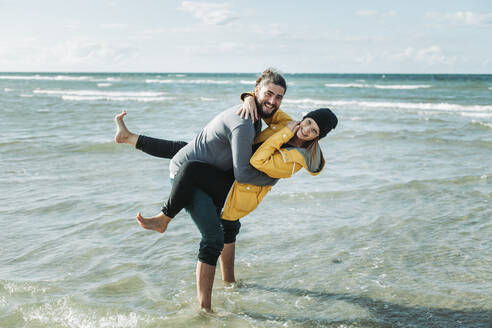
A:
[139,99]
[8,89]
[158,81]
[378,86]
[307,101]
[16,288]
[402,87]
[207,99]
[489,125]
[346,85]
[101,85]
[490,88]
[58,78]
[44,77]
[188,81]
[478,115]
[395,105]
[91,95]
[247,82]
[100,93]
[68,314]
[26,96]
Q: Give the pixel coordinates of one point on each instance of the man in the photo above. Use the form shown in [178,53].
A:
[225,142]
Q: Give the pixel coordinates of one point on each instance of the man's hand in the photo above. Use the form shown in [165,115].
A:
[294,126]
[248,109]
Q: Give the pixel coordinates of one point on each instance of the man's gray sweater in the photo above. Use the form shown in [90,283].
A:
[225,142]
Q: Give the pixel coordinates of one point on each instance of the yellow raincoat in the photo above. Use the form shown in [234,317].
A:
[273,160]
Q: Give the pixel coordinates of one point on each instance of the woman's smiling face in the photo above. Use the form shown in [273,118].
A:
[308,129]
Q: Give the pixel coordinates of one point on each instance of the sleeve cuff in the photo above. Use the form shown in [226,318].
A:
[244,95]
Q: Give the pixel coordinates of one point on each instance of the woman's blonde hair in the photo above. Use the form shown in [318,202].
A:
[312,148]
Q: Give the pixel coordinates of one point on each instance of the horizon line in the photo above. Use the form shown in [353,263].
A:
[184,72]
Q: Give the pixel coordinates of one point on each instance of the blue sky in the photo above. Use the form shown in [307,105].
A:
[246,36]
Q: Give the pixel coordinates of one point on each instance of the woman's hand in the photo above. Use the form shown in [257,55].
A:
[248,109]
[294,126]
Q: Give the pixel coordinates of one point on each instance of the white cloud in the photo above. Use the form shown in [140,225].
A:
[375,13]
[462,17]
[71,54]
[366,59]
[432,55]
[114,26]
[209,13]
[71,24]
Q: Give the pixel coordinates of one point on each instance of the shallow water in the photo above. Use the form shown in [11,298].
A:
[394,233]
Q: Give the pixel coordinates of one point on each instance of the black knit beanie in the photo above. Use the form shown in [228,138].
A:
[325,119]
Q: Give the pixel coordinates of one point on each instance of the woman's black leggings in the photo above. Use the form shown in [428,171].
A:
[192,174]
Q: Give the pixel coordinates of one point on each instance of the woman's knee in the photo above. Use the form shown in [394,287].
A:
[231,230]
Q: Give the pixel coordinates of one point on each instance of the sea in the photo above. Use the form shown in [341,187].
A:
[395,232]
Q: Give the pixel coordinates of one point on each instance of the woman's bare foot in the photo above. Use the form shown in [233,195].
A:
[157,223]
[123,135]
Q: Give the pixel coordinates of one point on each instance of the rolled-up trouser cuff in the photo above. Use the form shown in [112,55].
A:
[231,230]
[210,251]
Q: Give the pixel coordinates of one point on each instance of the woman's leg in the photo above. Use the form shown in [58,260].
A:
[152,146]
[159,147]
[123,135]
[195,174]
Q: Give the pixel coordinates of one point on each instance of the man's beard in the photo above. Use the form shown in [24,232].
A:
[261,112]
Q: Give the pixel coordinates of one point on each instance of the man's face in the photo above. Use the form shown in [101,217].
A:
[268,99]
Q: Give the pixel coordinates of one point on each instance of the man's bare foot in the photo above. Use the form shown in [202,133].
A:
[123,135]
[157,223]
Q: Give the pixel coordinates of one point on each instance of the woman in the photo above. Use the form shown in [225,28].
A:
[282,149]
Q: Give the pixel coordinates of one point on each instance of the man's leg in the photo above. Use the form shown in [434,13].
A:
[227,262]
[205,274]
[231,229]
[204,213]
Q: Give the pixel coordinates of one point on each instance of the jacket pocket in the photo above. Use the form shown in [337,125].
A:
[243,199]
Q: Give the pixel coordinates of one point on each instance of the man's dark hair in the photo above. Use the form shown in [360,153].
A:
[271,75]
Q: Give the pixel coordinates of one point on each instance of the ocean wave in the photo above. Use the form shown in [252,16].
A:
[346,85]
[415,184]
[482,124]
[169,81]
[92,95]
[100,93]
[38,77]
[138,99]
[478,115]
[395,105]
[104,84]
[378,86]
[113,79]
[44,77]
[159,81]
[402,87]
[8,89]
[247,82]
[66,312]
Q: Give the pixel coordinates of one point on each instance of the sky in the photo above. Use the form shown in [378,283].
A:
[321,36]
